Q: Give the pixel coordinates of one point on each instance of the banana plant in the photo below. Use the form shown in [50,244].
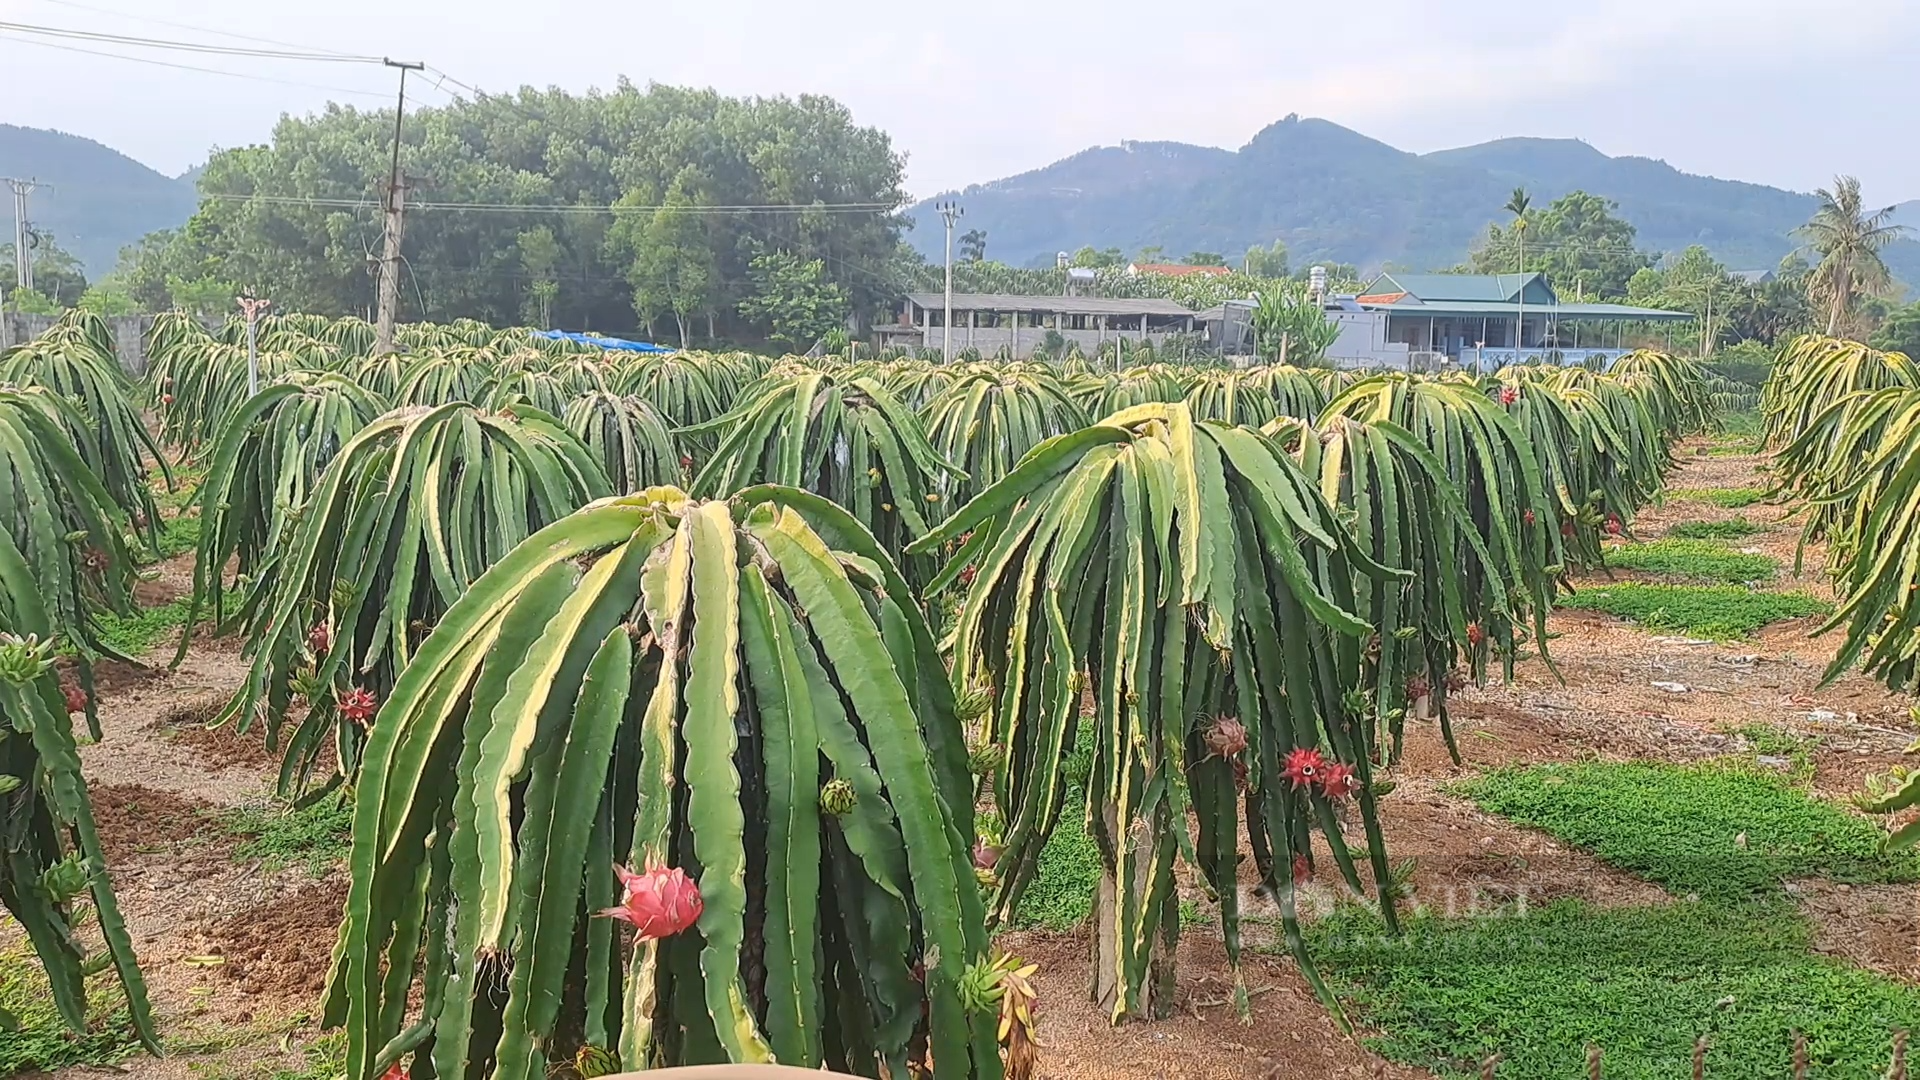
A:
[846,439]
[726,719]
[409,513]
[1190,581]
[50,856]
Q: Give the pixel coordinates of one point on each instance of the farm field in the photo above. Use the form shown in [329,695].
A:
[235,934]
[1647,843]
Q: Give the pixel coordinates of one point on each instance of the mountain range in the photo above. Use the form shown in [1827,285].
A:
[1335,195]
[95,200]
[1332,194]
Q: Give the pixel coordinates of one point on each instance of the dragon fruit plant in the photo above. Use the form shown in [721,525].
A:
[675,782]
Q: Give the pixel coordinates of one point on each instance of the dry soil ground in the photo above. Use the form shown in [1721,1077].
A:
[235,953]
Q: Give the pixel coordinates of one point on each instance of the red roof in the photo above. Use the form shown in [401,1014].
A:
[1381,298]
[1179,269]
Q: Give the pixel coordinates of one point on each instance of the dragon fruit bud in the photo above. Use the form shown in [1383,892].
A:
[985,856]
[1475,635]
[658,903]
[76,697]
[1227,737]
[837,798]
[319,639]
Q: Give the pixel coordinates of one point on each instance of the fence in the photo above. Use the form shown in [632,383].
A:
[129,335]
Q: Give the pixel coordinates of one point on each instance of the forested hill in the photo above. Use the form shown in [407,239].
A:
[1338,196]
[97,200]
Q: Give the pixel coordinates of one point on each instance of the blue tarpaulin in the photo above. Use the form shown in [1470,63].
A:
[598,342]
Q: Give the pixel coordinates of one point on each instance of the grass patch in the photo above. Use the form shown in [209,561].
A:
[1700,560]
[1731,498]
[1711,611]
[40,1040]
[1683,826]
[138,633]
[178,535]
[1060,895]
[1732,529]
[186,488]
[1641,983]
[1771,740]
[317,834]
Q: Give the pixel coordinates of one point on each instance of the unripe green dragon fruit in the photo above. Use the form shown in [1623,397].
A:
[24,659]
[65,879]
[837,798]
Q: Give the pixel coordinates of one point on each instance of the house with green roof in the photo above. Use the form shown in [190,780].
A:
[1487,320]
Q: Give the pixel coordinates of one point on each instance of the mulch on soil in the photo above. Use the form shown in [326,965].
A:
[215,747]
[283,948]
[134,819]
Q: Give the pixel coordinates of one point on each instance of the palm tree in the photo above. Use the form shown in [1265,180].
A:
[1848,240]
[1518,204]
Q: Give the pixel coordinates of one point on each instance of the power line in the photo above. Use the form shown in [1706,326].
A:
[192,67]
[189,26]
[183,46]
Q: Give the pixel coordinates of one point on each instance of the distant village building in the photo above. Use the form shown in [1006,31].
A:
[1176,270]
[990,322]
[1421,321]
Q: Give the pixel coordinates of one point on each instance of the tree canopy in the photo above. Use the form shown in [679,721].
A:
[1579,241]
[1848,237]
[609,211]
[58,277]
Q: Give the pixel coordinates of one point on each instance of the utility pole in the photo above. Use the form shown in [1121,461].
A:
[950,212]
[253,308]
[395,204]
[22,254]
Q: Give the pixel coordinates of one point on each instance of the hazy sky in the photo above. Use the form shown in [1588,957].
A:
[1782,92]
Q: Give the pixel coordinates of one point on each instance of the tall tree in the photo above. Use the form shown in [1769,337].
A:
[1579,241]
[1848,238]
[1206,258]
[793,300]
[1518,204]
[973,245]
[673,265]
[540,262]
[566,159]
[1266,262]
[57,275]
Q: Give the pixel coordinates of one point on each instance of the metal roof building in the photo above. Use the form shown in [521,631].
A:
[990,322]
[1485,320]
